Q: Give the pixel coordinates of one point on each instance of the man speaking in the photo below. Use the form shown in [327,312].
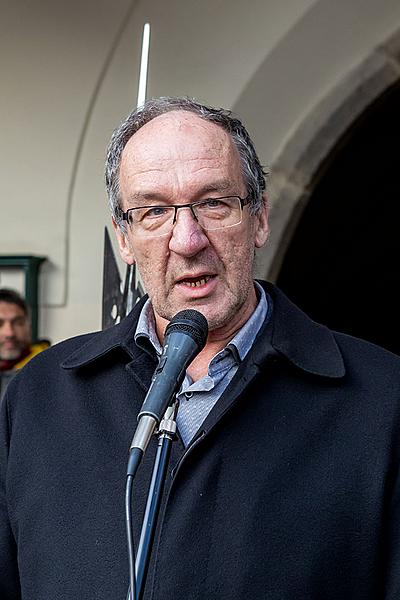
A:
[284,481]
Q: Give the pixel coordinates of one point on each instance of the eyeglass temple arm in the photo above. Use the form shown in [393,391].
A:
[244,201]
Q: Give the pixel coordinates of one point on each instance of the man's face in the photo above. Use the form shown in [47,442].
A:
[179,158]
[14,331]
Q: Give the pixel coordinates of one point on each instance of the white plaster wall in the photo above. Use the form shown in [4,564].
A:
[69,73]
[51,54]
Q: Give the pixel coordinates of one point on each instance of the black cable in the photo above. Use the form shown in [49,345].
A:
[129,533]
[135,456]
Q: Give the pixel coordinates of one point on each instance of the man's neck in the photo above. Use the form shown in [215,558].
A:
[217,340]
[239,333]
[199,366]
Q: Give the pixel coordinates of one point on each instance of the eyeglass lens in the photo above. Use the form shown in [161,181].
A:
[211,214]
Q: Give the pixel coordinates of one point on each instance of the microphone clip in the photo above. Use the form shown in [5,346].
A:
[168,426]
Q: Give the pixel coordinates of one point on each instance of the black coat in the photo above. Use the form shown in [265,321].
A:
[290,491]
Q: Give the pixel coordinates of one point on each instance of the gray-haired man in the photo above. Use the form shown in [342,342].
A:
[284,481]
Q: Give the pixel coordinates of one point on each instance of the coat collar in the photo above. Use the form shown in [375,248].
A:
[305,343]
[121,336]
[308,345]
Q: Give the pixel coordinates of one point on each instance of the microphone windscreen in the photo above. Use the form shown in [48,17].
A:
[192,323]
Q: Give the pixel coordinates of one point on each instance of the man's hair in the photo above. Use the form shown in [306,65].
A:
[253,173]
[13,297]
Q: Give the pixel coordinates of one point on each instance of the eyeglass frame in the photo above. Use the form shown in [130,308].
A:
[243,203]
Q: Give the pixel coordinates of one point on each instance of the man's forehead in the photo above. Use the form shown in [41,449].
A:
[8,309]
[179,152]
[170,133]
[180,120]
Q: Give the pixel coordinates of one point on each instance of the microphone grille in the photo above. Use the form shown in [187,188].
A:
[191,322]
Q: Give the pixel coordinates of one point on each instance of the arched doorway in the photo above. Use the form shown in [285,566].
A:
[342,265]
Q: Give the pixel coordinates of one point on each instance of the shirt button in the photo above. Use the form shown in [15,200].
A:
[188,395]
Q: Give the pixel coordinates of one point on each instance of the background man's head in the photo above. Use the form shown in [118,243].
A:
[15,332]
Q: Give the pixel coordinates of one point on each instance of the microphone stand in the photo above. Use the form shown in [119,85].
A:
[185,337]
[166,435]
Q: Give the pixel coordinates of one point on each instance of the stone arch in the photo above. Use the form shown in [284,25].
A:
[294,172]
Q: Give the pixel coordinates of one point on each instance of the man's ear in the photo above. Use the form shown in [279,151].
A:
[262,226]
[124,244]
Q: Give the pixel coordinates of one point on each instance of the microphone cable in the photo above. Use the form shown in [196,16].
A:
[129,534]
[134,461]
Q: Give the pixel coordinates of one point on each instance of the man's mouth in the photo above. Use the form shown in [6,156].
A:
[9,344]
[195,281]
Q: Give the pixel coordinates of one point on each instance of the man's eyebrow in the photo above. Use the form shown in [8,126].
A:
[221,187]
[140,196]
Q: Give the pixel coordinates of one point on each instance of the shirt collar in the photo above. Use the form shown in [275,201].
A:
[309,345]
[146,327]
[239,345]
[246,335]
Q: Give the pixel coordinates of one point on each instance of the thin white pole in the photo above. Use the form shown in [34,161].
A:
[144,62]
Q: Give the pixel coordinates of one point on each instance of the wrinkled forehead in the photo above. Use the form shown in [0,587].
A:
[178,135]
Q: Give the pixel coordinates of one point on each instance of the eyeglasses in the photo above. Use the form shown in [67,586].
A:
[211,214]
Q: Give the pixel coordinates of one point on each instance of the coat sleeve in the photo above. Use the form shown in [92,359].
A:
[9,579]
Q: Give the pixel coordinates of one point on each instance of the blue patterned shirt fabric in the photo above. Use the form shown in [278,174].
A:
[197,398]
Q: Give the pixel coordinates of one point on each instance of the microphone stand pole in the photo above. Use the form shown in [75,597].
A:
[166,435]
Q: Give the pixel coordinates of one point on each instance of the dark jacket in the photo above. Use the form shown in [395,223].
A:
[7,375]
[5,378]
[290,490]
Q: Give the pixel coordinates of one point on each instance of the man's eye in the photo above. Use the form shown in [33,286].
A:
[155,211]
[19,321]
[211,203]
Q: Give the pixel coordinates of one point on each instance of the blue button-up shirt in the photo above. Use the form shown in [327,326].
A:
[197,398]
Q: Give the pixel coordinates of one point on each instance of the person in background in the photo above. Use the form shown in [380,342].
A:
[16,347]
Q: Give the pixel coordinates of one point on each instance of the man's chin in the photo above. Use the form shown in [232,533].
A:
[218,315]
[11,355]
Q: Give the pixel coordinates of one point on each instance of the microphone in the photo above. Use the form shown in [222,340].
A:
[185,337]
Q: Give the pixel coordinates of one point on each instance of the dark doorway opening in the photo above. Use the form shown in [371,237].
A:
[342,265]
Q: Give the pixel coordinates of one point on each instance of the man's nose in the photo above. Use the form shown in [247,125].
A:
[188,237]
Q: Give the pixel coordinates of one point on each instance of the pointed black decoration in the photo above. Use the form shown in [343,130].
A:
[117,301]
[112,294]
